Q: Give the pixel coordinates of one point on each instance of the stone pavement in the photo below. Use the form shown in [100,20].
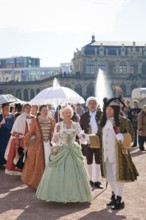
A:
[19,202]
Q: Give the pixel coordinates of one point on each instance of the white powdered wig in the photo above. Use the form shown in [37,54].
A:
[64,108]
[91,98]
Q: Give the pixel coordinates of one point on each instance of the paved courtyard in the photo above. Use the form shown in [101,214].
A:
[19,202]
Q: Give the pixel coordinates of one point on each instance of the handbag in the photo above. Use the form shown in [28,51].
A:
[94,141]
[55,150]
[127,141]
[22,157]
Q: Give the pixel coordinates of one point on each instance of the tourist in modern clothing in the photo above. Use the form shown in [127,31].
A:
[75,117]
[142,128]
[79,109]
[127,108]
[65,179]
[133,116]
[37,143]
[6,123]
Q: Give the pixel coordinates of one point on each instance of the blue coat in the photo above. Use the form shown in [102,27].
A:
[5,134]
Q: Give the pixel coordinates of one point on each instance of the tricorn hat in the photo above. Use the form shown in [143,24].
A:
[115,101]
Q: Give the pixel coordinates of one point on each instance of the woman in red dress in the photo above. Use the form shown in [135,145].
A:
[19,129]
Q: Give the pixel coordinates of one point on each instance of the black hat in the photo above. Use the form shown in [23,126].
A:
[115,101]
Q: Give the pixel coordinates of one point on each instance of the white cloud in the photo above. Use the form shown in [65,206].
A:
[60,15]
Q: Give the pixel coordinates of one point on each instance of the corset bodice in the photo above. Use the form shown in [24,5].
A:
[68,135]
[45,127]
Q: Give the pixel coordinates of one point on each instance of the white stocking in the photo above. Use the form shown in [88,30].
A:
[97,172]
[89,167]
[120,187]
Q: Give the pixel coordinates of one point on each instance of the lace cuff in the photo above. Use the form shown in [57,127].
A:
[83,138]
[55,139]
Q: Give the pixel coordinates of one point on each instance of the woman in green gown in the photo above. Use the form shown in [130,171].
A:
[65,178]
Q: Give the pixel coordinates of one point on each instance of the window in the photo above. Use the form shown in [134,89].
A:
[32,93]
[10,61]
[90,67]
[25,94]
[123,69]
[144,68]
[78,89]
[134,69]
[101,66]
[112,68]
[90,90]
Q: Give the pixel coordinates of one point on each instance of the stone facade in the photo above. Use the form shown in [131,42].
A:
[123,63]
[27,90]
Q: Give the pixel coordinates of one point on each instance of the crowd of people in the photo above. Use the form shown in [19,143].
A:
[62,154]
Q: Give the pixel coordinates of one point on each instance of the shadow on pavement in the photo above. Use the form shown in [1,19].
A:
[16,197]
[138,153]
[104,214]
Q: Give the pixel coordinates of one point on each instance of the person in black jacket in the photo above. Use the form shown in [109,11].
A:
[89,123]
[133,116]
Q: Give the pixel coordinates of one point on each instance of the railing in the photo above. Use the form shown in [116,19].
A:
[81,76]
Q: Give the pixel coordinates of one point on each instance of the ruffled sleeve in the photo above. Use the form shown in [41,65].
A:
[83,138]
[56,140]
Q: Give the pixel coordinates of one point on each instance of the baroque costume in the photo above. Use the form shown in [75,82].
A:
[117,166]
[65,179]
[19,129]
[38,143]
[89,123]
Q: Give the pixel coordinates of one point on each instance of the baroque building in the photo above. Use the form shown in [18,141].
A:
[123,63]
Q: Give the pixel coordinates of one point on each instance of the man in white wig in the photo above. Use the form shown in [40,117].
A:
[89,123]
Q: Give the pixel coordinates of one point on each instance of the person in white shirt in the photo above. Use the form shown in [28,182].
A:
[89,123]
[117,166]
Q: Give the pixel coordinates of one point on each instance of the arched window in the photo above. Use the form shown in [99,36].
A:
[78,89]
[90,90]
[134,68]
[133,87]
[123,87]
[37,91]
[32,94]
[18,93]
[25,94]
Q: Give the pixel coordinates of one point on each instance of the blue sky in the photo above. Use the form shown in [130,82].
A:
[53,29]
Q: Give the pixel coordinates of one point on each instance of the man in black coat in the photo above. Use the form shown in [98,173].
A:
[89,123]
[133,116]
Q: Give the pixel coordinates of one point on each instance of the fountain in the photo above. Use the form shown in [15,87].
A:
[55,82]
[102,88]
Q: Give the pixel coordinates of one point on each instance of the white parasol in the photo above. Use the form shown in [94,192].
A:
[8,98]
[57,96]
